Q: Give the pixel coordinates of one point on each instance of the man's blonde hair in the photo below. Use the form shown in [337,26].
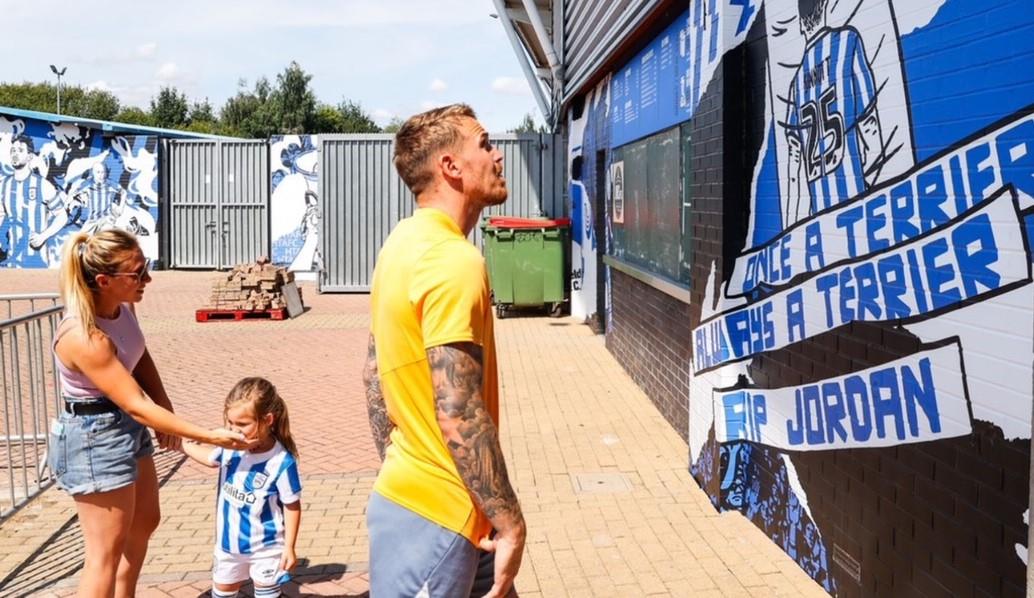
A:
[421,137]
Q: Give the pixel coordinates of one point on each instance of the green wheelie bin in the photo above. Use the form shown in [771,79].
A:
[526,260]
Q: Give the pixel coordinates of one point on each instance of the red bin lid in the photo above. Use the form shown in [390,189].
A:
[515,222]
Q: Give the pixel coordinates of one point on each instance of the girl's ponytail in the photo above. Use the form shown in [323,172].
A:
[282,427]
[75,283]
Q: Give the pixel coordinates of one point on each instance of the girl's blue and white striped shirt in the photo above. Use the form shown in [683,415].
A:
[253,489]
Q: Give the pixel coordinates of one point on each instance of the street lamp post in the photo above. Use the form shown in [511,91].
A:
[58,73]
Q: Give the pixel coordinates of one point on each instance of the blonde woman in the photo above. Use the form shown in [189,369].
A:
[100,449]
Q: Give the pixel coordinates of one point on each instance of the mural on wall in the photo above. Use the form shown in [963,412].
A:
[881,307]
[60,178]
[584,243]
[868,222]
[295,208]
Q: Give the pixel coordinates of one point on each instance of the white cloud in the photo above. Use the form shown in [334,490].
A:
[146,50]
[511,86]
[438,86]
[332,13]
[168,72]
[427,105]
[122,55]
[139,95]
[98,85]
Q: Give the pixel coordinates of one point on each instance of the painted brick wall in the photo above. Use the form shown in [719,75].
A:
[936,512]
[937,518]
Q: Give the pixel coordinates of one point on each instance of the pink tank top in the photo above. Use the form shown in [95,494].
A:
[125,333]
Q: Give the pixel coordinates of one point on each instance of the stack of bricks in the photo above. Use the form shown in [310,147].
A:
[251,287]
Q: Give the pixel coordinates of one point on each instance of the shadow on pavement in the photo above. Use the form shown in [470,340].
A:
[304,573]
[61,555]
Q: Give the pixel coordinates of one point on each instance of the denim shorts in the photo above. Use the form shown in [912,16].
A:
[412,556]
[97,453]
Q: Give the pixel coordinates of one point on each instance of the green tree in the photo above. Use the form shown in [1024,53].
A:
[131,115]
[207,127]
[356,119]
[249,114]
[527,125]
[75,100]
[95,103]
[29,96]
[201,112]
[327,120]
[169,108]
[393,125]
[293,103]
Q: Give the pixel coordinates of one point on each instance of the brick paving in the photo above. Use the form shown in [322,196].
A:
[602,477]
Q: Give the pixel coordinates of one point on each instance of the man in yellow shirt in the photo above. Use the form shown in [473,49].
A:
[443,518]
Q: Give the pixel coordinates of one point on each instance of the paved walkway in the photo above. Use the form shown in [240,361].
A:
[611,508]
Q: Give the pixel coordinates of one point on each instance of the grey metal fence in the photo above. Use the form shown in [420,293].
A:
[30,396]
[218,202]
[362,197]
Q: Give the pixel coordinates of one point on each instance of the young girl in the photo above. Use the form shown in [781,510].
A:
[258,508]
[100,447]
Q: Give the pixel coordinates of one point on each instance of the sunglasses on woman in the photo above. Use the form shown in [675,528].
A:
[139,274]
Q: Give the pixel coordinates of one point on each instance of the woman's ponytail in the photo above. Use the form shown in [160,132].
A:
[75,283]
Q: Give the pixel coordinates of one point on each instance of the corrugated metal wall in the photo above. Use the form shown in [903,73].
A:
[592,31]
[362,197]
[218,201]
[244,201]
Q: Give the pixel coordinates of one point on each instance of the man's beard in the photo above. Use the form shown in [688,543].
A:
[496,199]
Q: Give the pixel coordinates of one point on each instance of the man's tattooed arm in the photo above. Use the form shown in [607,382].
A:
[380,425]
[471,435]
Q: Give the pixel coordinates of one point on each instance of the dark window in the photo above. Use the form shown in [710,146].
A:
[649,207]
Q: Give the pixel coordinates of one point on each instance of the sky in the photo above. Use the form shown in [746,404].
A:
[394,57]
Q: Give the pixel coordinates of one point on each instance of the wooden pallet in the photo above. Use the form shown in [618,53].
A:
[236,315]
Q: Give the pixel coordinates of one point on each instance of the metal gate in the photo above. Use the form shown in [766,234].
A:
[219,202]
[362,197]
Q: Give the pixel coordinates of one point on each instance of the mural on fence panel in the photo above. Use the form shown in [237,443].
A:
[877,328]
[60,178]
[295,211]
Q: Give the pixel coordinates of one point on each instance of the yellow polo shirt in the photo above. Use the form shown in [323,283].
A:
[430,288]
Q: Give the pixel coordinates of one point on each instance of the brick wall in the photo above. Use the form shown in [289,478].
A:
[650,330]
[940,518]
[648,337]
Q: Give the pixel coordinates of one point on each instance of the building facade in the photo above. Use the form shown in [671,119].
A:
[806,229]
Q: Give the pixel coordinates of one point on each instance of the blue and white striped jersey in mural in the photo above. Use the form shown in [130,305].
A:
[27,206]
[96,202]
[831,93]
[253,489]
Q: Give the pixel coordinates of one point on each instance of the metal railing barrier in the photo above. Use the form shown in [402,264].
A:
[30,395]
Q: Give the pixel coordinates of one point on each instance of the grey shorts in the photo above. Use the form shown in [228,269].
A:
[413,557]
[97,453]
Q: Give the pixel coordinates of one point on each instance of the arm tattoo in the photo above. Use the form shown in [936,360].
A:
[470,433]
[380,425]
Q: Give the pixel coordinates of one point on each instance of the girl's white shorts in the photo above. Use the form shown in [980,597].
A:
[263,567]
